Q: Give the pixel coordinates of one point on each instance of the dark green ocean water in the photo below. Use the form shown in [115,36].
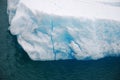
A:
[16,65]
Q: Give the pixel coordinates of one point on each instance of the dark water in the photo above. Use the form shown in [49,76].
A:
[16,65]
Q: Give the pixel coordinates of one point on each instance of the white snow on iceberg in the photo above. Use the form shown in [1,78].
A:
[66,29]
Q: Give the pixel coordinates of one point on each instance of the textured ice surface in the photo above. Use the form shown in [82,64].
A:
[66,29]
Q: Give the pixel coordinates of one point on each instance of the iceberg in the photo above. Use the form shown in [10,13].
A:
[66,29]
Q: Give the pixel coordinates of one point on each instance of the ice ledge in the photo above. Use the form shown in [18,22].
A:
[75,8]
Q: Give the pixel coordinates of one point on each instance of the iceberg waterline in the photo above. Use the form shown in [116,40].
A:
[48,36]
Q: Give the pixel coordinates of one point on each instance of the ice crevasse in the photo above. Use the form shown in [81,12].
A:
[66,29]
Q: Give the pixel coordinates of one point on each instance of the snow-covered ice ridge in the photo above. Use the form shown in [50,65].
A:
[66,29]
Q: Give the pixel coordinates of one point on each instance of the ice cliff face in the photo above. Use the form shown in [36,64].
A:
[53,30]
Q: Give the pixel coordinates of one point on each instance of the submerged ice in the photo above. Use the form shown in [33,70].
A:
[48,33]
